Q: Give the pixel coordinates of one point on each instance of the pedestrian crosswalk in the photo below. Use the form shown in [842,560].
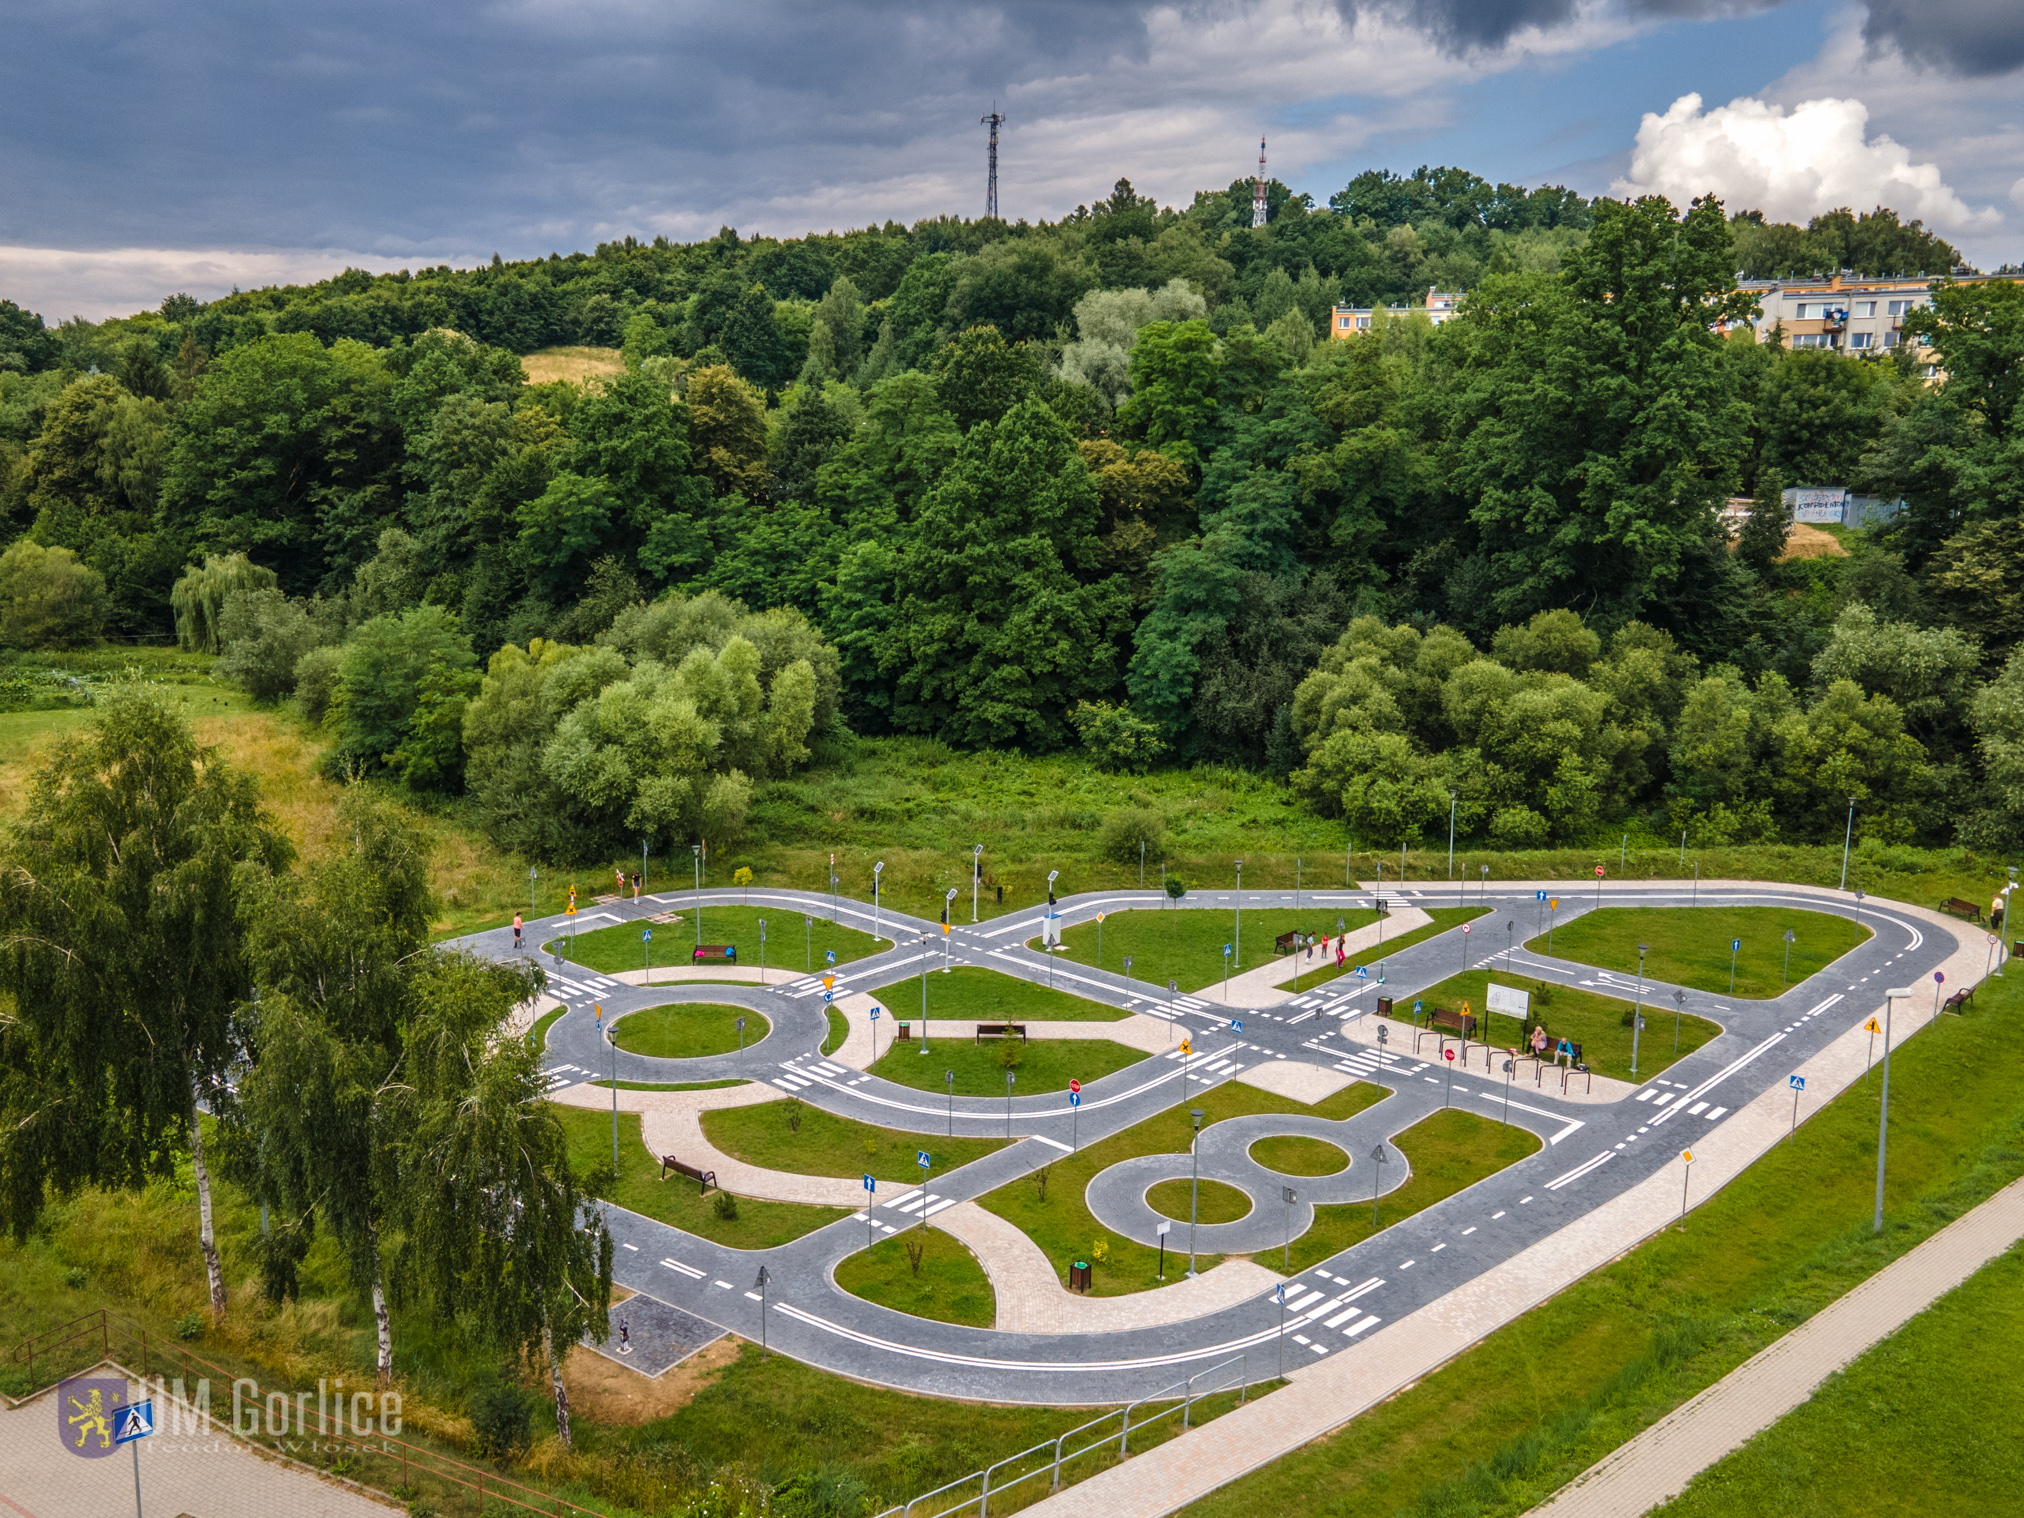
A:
[555,1077]
[589,988]
[1364,1063]
[1172,1009]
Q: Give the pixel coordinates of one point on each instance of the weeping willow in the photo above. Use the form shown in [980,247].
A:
[199,597]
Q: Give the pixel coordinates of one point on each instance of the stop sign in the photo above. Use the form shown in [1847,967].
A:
[1075,1085]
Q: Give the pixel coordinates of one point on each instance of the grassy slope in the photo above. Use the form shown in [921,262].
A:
[1894,1433]
[1503,1425]
[687,1030]
[1594,1022]
[1062,1224]
[950,1285]
[1690,946]
[794,940]
[981,995]
[826,1144]
[1044,1064]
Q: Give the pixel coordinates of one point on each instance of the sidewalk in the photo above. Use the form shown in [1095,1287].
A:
[1262,987]
[1321,1398]
[1657,1465]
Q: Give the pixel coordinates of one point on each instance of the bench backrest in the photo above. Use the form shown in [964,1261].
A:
[715,951]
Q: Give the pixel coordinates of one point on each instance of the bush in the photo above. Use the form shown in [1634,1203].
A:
[1174,887]
[1131,829]
[47,598]
[264,636]
[500,1413]
[726,1207]
[1518,827]
[1117,737]
[316,680]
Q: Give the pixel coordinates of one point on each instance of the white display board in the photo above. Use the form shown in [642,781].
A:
[1819,505]
[1508,1000]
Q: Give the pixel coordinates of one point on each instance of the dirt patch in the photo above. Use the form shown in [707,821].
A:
[573,364]
[607,1392]
[1811,543]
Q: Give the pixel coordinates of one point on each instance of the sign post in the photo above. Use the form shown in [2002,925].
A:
[874,1034]
[1289,1196]
[1449,1056]
[647,956]
[1890,1000]
[130,1425]
[1598,886]
[1798,1084]
[1510,1064]
[870,1191]
[1552,917]
[926,1162]
[764,1276]
[1785,975]
[1686,1175]
[1376,1181]
[1074,1113]
[1161,1233]
[1734,945]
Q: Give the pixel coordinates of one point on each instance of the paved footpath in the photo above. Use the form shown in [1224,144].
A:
[1657,1465]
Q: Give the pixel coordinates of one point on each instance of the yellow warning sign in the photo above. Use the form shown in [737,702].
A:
[1873,1026]
[1186,1047]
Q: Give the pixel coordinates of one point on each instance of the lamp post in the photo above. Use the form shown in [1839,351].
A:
[876,870]
[1195,1185]
[948,911]
[643,867]
[532,876]
[924,993]
[1483,888]
[762,951]
[741,1046]
[949,1080]
[1008,1106]
[1637,1017]
[1289,1196]
[1847,837]
[1451,834]
[1890,1000]
[1237,932]
[1052,876]
[764,1277]
[1679,1007]
[976,877]
[696,851]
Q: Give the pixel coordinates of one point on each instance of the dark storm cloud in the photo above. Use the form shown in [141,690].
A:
[1976,37]
[364,123]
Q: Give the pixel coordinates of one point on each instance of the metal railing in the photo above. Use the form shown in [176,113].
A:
[1054,1453]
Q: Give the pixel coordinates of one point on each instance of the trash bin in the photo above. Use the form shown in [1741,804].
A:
[1078,1276]
[1384,1006]
[903,1031]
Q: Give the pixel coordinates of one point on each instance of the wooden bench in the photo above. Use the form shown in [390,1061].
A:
[703,1178]
[1957,1001]
[725,951]
[1967,911]
[1286,943]
[1001,1030]
[1462,1024]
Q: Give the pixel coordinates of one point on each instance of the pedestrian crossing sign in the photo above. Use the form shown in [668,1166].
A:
[134,1421]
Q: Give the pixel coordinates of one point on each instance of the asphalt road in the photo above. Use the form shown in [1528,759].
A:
[1589,1154]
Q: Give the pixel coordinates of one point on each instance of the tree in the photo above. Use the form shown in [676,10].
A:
[1761,543]
[200,595]
[124,954]
[337,952]
[1003,619]
[1173,378]
[265,636]
[396,671]
[47,598]
[979,378]
[491,1218]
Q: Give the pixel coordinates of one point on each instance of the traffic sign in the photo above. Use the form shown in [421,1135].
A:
[1187,1047]
[1383,1034]
[1938,978]
[646,935]
[1735,944]
[1553,901]
[923,1158]
[829,982]
[829,956]
[1228,949]
[134,1421]
[1538,895]
[1872,1026]
[875,1012]
[1418,1008]
[1236,1025]
[870,1184]
[1796,1082]
[1099,917]
[1075,1098]
[1687,1155]
[828,997]
[1074,1085]
[1448,1053]
[1465,927]
[1362,973]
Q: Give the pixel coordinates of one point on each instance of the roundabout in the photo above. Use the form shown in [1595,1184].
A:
[1481,1165]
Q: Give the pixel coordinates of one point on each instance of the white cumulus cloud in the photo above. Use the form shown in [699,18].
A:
[1791,165]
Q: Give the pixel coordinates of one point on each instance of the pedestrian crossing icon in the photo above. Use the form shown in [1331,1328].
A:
[134,1421]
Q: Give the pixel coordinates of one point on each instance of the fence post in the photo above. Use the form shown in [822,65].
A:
[1187,1402]
[1057,1464]
[144,1355]
[1124,1434]
[984,1497]
[104,1335]
[1244,1377]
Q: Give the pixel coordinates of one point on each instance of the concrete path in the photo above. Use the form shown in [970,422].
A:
[1324,1395]
[1657,1465]
[1262,987]
[1031,1298]
[674,975]
[211,1474]
[1587,1089]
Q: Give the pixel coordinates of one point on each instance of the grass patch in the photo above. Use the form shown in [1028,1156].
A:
[805,1140]
[1043,1065]
[1582,1017]
[1444,919]
[639,1188]
[839,1030]
[948,1285]
[1215,1202]
[1690,945]
[1501,1427]
[539,1032]
[619,947]
[972,993]
[1294,1154]
[667,1085]
[688,1029]
[1448,1150]
[1049,1204]
[1901,1430]
[1186,943]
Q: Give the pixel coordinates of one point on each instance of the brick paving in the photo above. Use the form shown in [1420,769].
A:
[1657,1465]
[1322,1397]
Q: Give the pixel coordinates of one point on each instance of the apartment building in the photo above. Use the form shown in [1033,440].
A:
[1438,307]
[1847,312]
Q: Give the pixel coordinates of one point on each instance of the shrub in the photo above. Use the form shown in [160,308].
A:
[47,598]
[500,1413]
[1117,737]
[1518,827]
[1128,830]
[264,636]
[726,1207]
[1174,887]
[316,680]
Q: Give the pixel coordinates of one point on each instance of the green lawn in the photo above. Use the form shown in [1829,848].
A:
[688,1029]
[1045,1064]
[1060,1222]
[1292,1154]
[1217,1203]
[976,994]
[1448,1150]
[793,1136]
[793,941]
[667,1085]
[949,1286]
[1904,1430]
[839,1030]
[1185,944]
[1690,945]
[538,1034]
[1582,1017]
[1501,1427]
[639,1188]
[1444,920]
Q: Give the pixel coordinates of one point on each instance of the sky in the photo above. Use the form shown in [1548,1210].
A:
[148,148]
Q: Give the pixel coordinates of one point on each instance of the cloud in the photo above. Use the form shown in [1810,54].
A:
[95,284]
[1790,165]
[1973,37]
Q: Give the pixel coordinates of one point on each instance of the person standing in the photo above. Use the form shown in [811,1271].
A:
[636,885]
[516,932]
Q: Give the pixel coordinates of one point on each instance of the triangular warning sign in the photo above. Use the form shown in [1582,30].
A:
[1873,1026]
[1186,1047]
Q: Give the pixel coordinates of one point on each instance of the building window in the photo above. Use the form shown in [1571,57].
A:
[1813,340]
[1891,339]
[1363,321]
[1342,321]
[1899,307]
[1800,313]
[1861,339]
[1863,308]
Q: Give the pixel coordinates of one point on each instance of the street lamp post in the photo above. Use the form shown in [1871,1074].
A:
[1637,1020]
[949,1080]
[876,870]
[976,877]
[1052,876]
[1847,837]
[1195,1185]
[741,1046]
[1890,1000]
[1008,1106]
[1451,834]
[762,951]
[924,993]
[1237,932]
[696,851]
[948,911]
[532,876]
[1290,1196]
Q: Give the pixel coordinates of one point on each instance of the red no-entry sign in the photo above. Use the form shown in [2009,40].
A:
[1449,1053]
[1075,1085]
